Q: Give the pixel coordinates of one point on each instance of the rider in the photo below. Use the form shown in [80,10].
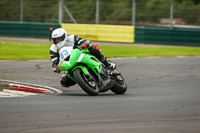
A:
[60,38]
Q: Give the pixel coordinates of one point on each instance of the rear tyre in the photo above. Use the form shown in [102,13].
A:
[120,86]
[87,83]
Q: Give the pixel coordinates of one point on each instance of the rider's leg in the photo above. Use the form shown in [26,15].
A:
[95,50]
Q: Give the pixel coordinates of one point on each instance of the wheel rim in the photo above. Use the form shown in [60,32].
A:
[91,81]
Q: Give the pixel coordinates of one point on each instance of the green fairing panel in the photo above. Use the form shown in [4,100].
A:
[87,59]
[66,65]
[75,54]
[92,63]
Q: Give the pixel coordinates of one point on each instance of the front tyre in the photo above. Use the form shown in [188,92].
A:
[120,86]
[87,83]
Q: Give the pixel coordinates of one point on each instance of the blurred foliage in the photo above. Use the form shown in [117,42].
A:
[111,12]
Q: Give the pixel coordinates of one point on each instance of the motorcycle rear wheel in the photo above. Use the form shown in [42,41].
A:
[87,84]
[120,86]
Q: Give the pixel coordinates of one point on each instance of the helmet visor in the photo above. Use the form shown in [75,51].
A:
[58,39]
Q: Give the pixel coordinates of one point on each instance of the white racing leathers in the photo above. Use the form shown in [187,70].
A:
[72,40]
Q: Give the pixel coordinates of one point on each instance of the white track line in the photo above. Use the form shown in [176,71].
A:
[15,92]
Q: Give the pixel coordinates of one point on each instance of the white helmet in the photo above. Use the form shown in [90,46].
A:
[59,37]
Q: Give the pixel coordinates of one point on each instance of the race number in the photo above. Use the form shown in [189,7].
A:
[63,54]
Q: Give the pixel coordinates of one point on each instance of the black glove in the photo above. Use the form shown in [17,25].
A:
[55,68]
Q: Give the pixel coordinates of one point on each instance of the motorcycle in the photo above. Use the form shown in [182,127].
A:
[89,73]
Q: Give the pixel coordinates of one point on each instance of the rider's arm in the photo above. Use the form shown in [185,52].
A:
[54,57]
[77,40]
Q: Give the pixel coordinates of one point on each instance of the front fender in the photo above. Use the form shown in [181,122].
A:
[84,69]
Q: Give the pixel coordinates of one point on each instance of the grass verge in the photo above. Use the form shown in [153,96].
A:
[35,51]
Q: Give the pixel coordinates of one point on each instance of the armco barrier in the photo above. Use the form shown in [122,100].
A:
[109,33]
[26,29]
[162,35]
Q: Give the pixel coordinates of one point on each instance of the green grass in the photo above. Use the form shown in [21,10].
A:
[23,51]
[162,51]
[34,51]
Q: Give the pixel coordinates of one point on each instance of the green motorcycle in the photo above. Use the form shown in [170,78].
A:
[89,73]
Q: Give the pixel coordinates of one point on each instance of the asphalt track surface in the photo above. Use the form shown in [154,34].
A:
[163,96]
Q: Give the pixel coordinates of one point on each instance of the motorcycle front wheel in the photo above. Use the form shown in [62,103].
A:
[87,83]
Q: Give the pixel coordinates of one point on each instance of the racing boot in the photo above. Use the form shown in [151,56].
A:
[109,64]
